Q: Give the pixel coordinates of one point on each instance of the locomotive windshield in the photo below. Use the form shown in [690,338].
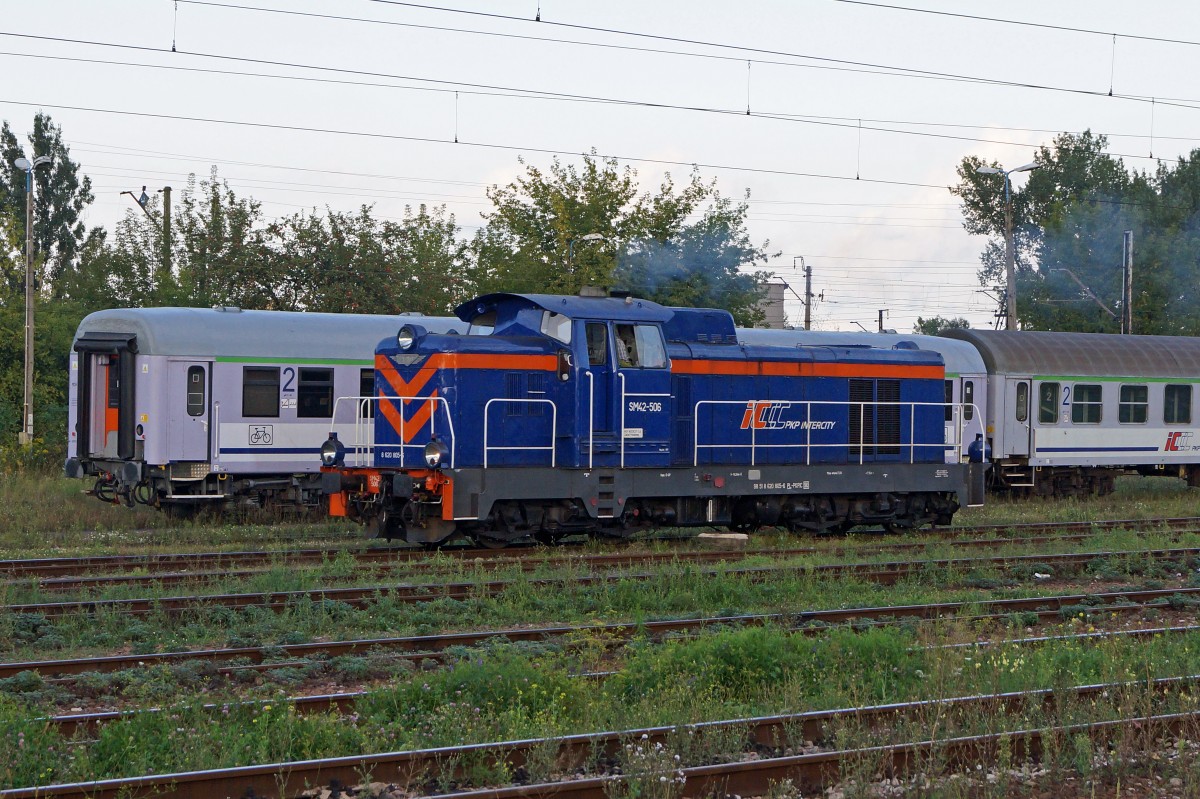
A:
[482,325]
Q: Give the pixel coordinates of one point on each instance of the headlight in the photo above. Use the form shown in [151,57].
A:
[332,451]
[436,454]
[406,337]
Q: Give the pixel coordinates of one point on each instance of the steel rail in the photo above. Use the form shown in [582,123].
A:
[766,732]
[378,566]
[68,724]
[883,573]
[62,566]
[422,646]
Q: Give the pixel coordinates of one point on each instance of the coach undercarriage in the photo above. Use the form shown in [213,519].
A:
[1057,482]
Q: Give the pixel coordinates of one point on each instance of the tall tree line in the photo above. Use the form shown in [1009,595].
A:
[1069,223]
[553,230]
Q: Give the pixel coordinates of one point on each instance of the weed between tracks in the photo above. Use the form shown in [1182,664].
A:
[505,692]
[508,692]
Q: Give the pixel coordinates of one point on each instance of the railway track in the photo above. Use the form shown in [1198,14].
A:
[813,771]
[433,647]
[361,596]
[370,563]
[167,562]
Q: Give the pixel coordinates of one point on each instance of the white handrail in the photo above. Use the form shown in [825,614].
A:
[364,429]
[216,426]
[531,401]
[591,413]
[621,375]
[955,446]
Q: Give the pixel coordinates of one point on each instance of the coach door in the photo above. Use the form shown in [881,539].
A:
[1016,414]
[104,406]
[188,410]
[104,422]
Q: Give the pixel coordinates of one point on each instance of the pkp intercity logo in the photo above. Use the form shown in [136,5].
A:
[1178,442]
[765,415]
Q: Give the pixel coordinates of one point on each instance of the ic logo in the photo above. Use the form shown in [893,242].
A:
[764,415]
[1178,442]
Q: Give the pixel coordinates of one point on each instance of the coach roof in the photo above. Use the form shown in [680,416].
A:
[617,309]
[209,332]
[1032,352]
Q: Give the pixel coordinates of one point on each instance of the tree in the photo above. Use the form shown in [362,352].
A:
[355,263]
[59,198]
[1067,220]
[534,239]
[936,324]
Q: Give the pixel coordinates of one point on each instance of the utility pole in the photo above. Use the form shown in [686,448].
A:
[166,231]
[808,296]
[1010,256]
[1127,285]
[26,435]
[27,428]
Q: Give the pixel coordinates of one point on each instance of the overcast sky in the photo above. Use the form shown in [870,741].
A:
[808,70]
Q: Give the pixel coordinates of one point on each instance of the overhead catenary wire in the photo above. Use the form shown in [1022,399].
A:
[532,94]
[478,144]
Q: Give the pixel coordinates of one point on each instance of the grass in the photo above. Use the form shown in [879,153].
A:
[503,692]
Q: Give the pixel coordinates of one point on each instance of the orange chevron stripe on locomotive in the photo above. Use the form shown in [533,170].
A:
[444,360]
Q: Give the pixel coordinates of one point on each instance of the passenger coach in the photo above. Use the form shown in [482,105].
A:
[178,407]
[1068,412]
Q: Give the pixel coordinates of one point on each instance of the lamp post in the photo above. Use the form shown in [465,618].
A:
[1010,267]
[26,435]
[571,248]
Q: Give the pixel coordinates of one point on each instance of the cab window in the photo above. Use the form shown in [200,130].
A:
[640,346]
[556,326]
[597,343]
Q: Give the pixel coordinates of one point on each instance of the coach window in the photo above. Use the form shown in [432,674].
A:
[366,388]
[1134,402]
[1022,401]
[314,395]
[195,390]
[1177,404]
[1048,403]
[597,343]
[968,399]
[260,391]
[1087,405]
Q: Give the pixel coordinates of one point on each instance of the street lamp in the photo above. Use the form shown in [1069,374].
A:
[1009,253]
[571,247]
[26,435]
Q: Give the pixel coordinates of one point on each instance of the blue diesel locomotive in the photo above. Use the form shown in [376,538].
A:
[605,415]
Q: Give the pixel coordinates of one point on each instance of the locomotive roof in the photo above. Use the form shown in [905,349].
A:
[1034,352]
[960,357]
[617,309]
[208,332]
